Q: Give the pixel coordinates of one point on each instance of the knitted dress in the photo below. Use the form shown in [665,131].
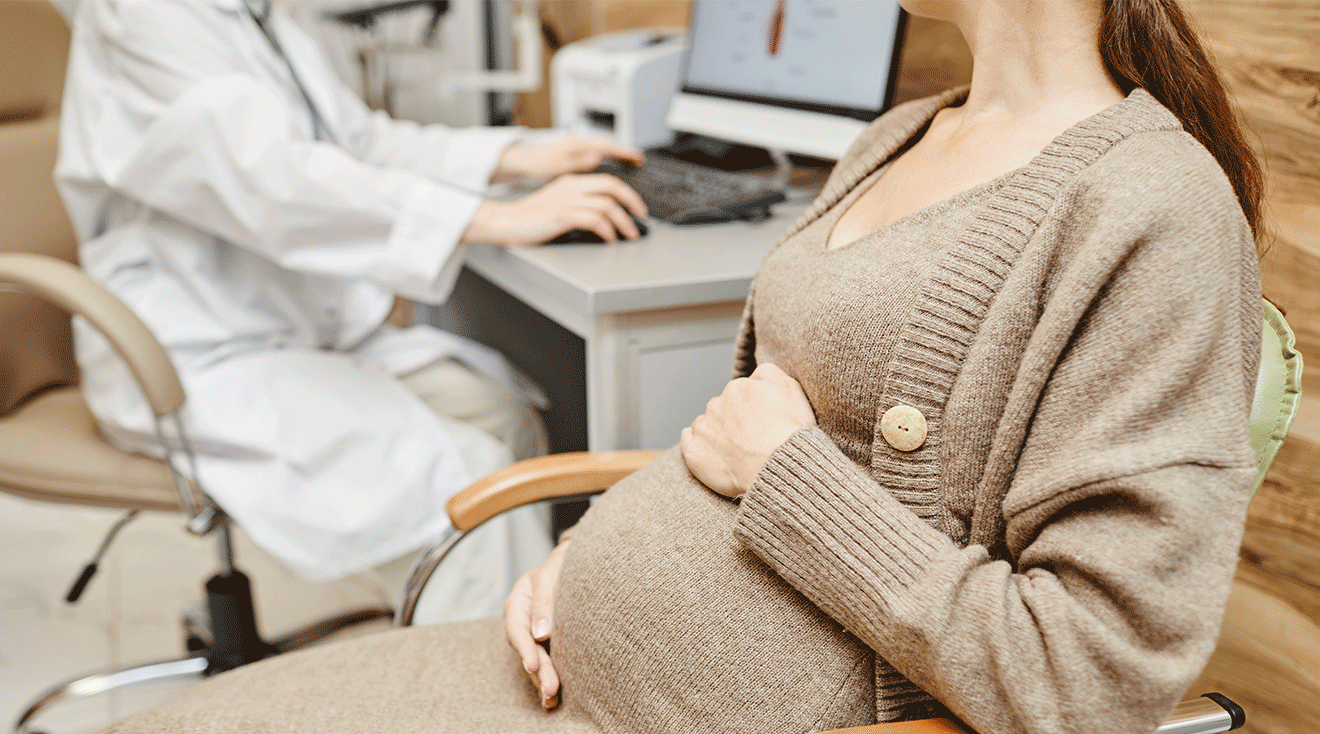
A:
[831,318]
[1081,336]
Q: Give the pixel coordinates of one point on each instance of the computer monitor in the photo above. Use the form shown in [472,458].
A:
[792,76]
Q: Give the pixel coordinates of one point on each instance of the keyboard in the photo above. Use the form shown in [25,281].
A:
[687,193]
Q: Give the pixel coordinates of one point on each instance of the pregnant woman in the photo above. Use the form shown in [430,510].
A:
[986,455]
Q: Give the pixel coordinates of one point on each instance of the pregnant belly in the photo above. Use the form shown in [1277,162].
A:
[664,622]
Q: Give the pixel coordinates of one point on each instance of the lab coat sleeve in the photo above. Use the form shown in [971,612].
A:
[218,149]
[465,157]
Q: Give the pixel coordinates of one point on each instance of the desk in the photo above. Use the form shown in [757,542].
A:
[630,339]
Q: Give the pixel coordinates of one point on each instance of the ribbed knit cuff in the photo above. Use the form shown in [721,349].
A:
[834,533]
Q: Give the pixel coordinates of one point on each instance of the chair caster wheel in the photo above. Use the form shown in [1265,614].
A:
[195,645]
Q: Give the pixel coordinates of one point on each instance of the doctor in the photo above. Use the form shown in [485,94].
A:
[260,219]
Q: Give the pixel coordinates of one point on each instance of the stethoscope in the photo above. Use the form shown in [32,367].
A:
[260,12]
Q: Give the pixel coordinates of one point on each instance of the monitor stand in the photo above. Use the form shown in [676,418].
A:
[783,168]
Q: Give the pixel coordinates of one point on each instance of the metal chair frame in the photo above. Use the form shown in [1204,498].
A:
[231,619]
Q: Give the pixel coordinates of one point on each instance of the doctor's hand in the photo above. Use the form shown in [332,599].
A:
[596,201]
[726,446]
[529,618]
[569,155]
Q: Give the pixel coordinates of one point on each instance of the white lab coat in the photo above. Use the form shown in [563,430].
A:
[266,261]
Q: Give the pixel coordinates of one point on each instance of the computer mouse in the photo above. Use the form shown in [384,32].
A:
[586,236]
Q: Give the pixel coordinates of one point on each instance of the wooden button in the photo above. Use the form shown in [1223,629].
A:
[904,427]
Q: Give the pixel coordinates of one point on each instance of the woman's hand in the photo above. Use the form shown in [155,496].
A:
[529,618]
[726,446]
[598,202]
[569,155]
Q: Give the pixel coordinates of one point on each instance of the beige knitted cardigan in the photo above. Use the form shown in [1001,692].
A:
[1057,554]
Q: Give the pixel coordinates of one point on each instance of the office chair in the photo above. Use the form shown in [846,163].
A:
[564,477]
[50,449]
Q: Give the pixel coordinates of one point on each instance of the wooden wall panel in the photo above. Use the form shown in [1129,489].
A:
[615,15]
[935,58]
[1269,53]
[1268,656]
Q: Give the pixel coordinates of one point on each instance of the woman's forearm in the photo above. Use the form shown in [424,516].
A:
[1102,621]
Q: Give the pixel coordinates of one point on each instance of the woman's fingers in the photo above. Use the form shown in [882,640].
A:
[526,648]
[772,373]
[590,218]
[542,611]
[599,203]
[529,617]
[587,154]
[611,186]
[570,155]
[618,217]
[703,459]
[517,625]
[596,202]
[549,680]
[599,207]
[632,155]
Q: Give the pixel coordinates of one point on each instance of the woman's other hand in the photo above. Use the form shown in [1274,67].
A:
[569,155]
[726,446]
[529,619]
[597,202]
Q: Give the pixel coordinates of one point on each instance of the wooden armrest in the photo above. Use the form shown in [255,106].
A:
[551,477]
[921,726]
[1208,714]
[543,478]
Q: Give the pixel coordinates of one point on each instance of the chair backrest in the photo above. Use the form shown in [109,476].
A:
[1278,390]
[36,345]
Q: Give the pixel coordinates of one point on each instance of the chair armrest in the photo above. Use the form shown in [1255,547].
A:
[557,476]
[1208,714]
[69,288]
[920,726]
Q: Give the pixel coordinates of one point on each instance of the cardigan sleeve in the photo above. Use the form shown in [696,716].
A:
[1122,519]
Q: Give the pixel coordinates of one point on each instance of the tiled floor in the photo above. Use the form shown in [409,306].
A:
[131,611]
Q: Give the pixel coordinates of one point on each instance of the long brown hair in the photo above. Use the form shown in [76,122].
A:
[1150,44]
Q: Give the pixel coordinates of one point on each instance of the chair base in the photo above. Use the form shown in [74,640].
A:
[109,680]
[233,642]
[234,638]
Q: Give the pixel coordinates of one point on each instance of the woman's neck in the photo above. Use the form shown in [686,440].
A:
[1034,58]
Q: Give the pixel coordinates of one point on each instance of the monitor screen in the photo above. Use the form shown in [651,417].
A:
[832,56]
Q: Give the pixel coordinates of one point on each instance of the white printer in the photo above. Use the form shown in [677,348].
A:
[618,85]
